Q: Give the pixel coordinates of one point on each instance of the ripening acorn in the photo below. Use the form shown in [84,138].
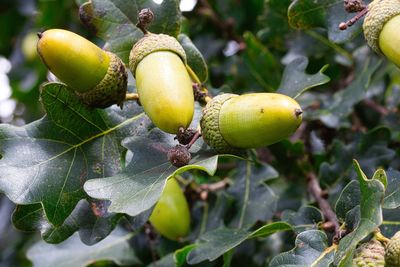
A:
[171,216]
[381,28]
[371,253]
[158,62]
[98,77]
[231,122]
[392,256]
[28,46]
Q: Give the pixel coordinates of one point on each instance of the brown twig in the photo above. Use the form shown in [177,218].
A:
[318,194]
[344,25]
[375,106]
[204,189]
[194,139]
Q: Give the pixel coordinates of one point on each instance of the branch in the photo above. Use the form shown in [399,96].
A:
[320,196]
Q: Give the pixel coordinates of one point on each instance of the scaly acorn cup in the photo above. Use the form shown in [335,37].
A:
[171,216]
[381,28]
[98,77]
[158,62]
[392,256]
[231,122]
[369,254]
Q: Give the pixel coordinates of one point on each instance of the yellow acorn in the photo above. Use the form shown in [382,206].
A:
[381,28]
[231,122]
[158,62]
[98,77]
[171,216]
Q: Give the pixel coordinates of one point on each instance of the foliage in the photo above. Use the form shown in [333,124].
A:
[88,179]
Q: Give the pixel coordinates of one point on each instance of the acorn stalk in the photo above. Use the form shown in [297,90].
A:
[97,77]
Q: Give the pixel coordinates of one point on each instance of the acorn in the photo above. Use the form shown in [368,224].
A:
[392,256]
[381,28]
[368,254]
[97,77]
[171,216]
[231,122]
[158,63]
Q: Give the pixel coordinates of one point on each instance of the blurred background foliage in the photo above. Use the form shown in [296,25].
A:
[247,45]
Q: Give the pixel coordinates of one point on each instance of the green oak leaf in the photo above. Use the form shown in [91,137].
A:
[295,81]
[254,200]
[306,218]
[92,220]
[372,193]
[194,58]
[392,196]
[311,249]
[217,242]
[114,21]
[139,186]
[261,63]
[72,252]
[48,161]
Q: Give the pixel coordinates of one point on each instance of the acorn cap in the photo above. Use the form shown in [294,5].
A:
[210,125]
[111,89]
[379,12]
[371,253]
[392,256]
[151,43]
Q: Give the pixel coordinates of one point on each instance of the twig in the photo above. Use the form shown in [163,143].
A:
[204,189]
[194,139]
[344,25]
[375,106]
[318,194]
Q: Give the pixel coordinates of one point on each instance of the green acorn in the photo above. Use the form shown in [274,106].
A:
[231,122]
[381,28]
[158,62]
[171,215]
[370,254]
[392,257]
[97,77]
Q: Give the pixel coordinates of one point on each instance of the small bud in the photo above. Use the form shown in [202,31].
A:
[179,156]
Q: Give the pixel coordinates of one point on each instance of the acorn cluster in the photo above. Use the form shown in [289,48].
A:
[164,84]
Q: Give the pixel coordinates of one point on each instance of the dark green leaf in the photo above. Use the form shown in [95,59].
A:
[262,64]
[139,187]
[74,253]
[114,21]
[194,58]
[392,195]
[307,14]
[215,243]
[255,201]
[92,221]
[311,249]
[372,192]
[306,218]
[295,81]
[48,161]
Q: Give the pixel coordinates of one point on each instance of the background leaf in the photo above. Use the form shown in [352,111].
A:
[48,161]
[73,253]
[311,249]
[114,21]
